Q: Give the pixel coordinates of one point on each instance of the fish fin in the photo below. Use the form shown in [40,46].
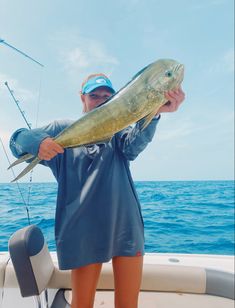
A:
[148,119]
[21,160]
[27,169]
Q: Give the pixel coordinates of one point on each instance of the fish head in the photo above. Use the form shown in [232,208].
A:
[164,75]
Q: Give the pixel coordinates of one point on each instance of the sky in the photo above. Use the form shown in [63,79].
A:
[75,38]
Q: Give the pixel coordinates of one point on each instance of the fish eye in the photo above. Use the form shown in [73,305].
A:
[168,73]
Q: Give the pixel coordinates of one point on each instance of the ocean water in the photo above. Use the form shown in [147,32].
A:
[179,216]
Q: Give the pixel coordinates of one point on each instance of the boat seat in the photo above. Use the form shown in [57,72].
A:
[33,264]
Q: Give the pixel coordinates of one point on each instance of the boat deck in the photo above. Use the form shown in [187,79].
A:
[169,280]
[105,299]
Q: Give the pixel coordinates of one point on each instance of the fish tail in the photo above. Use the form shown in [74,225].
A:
[21,160]
[27,169]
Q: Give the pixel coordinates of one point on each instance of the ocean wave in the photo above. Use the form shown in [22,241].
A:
[179,217]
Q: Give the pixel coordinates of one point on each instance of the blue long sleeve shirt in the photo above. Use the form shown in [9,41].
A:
[98,213]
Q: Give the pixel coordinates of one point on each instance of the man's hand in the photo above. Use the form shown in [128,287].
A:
[175,98]
[48,149]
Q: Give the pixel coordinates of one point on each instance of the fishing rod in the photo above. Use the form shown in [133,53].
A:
[16,101]
[29,126]
[18,106]
[2,41]
[26,206]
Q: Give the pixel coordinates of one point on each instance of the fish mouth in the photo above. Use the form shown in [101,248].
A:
[179,68]
[179,71]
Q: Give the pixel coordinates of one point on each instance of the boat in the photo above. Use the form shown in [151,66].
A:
[30,277]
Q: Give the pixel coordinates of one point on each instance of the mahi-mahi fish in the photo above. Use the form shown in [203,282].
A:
[139,99]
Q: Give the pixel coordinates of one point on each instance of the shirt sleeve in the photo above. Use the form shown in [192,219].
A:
[28,141]
[133,140]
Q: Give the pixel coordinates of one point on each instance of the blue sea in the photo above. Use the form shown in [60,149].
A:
[179,216]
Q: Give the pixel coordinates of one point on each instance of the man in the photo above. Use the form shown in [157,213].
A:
[98,214]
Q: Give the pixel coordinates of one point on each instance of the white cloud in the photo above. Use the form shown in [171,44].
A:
[223,64]
[20,92]
[172,130]
[76,58]
[80,55]
[176,129]
[88,54]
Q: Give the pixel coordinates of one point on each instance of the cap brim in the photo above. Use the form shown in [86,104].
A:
[94,87]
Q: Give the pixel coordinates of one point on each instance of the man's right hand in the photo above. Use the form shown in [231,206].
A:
[48,149]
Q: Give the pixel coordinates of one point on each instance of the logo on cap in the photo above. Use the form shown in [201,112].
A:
[101,80]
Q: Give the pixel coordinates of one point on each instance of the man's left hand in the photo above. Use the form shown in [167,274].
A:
[175,98]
